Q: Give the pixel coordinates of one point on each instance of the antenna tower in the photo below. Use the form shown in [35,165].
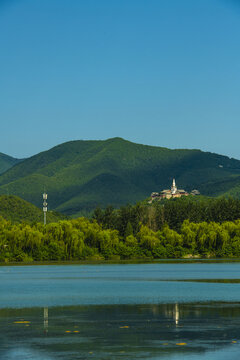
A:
[45,207]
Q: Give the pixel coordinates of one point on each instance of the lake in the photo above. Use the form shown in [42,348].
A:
[127,311]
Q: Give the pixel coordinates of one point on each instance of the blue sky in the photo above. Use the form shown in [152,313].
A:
[158,72]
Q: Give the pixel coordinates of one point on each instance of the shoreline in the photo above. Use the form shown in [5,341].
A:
[124,262]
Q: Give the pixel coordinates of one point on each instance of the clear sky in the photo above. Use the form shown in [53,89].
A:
[158,72]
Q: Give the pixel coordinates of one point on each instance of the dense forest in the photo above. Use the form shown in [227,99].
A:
[174,229]
[172,212]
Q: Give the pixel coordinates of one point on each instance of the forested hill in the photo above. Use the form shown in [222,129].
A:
[80,175]
[6,162]
[18,210]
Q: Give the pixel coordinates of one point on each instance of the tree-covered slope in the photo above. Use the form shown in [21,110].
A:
[6,162]
[17,210]
[79,175]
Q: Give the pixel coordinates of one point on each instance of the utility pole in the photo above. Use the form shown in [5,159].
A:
[44,208]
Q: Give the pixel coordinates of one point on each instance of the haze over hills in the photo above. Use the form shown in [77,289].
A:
[80,175]
[6,162]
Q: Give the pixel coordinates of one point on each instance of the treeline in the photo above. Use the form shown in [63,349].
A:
[185,227]
[82,239]
[168,212]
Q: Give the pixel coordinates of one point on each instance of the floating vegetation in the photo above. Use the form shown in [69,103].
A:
[21,322]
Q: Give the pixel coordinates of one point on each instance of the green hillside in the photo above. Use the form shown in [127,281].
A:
[17,210]
[6,162]
[80,175]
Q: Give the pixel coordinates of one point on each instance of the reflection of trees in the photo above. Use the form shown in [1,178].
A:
[129,327]
[185,311]
[160,311]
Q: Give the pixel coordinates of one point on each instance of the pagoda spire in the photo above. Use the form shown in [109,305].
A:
[174,187]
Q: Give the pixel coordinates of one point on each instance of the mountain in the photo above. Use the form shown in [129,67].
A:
[6,162]
[16,210]
[80,175]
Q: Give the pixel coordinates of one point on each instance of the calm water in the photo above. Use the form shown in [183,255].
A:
[144,311]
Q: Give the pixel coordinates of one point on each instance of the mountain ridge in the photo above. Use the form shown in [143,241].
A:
[7,162]
[82,174]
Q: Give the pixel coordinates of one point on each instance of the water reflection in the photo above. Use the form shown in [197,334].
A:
[25,354]
[50,286]
[45,319]
[114,331]
[176,314]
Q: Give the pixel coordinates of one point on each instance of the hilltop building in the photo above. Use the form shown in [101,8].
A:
[174,192]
